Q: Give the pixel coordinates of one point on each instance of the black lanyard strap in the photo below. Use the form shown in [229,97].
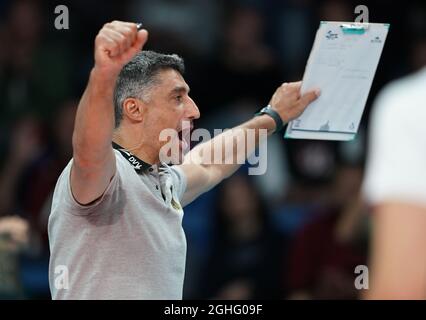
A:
[139,165]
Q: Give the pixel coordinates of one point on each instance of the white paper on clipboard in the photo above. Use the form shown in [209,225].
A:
[342,65]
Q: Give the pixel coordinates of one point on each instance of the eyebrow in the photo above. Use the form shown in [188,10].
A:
[179,90]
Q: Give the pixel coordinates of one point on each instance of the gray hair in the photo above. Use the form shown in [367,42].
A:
[139,75]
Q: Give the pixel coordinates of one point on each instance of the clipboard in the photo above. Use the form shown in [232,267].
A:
[342,63]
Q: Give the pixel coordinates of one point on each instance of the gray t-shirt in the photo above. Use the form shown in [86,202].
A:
[129,244]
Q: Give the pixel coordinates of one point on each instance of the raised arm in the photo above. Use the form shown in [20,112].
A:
[94,162]
[203,172]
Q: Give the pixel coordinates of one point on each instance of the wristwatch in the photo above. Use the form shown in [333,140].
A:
[279,124]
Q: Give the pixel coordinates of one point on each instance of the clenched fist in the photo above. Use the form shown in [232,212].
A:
[116,44]
[288,101]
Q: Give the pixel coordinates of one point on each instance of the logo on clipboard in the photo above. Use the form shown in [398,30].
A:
[331,36]
[376,40]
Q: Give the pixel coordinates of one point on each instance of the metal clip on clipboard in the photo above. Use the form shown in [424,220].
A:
[354,28]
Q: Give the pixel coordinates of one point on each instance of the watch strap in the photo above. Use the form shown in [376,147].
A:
[279,124]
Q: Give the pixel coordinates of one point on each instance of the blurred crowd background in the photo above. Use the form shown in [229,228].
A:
[297,232]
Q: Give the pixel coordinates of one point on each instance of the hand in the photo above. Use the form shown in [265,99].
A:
[116,44]
[289,103]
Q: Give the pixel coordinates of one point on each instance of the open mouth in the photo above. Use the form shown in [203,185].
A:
[184,134]
[180,135]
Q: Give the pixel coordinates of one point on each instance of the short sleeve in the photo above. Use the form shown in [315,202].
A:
[396,164]
[179,181]
[64,197]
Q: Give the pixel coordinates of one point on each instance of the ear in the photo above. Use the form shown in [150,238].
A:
[133,109]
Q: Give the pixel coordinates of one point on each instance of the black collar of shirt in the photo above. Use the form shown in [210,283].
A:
[139,165]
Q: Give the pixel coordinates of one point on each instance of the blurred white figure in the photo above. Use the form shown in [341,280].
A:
[395,186]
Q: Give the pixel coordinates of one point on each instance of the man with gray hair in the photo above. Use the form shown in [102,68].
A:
[115,227]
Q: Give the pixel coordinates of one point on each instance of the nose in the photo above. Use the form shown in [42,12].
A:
[193,112]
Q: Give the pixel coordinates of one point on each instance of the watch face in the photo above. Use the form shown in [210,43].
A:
[263,110]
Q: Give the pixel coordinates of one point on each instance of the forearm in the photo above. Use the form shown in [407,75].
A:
[210,162]
[225,153]
[397,265]
[94,123]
